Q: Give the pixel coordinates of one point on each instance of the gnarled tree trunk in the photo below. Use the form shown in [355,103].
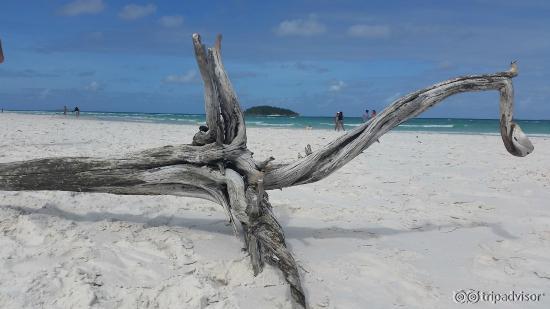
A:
[219,167]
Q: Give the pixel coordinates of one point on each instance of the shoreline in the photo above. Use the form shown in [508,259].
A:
[251,124]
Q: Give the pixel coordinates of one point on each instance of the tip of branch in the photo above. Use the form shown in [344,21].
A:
[514,68]
[262,165]
[196,37]
[520,141]
[218,44]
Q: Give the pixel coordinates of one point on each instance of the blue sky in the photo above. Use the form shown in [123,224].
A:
[315,57]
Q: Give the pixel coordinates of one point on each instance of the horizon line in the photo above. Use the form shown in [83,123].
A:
[202,114]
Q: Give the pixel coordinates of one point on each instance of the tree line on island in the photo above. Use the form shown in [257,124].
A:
[266,110]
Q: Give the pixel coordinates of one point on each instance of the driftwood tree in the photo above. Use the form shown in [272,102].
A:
[218,166]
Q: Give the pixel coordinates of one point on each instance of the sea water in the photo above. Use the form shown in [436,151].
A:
[444,125]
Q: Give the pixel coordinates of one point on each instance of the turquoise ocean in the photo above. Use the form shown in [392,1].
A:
[443,125]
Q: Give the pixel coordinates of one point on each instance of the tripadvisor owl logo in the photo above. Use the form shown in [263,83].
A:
[471,296]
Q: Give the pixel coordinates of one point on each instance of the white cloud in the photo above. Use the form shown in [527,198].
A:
[93,86]
[301,27]
[171,21]
[337,86]
[79,7]
[189,76]
[369,31]
[135,11]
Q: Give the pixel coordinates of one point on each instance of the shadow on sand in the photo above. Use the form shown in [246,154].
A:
[223,227]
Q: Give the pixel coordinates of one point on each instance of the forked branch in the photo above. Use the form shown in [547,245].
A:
[223,113]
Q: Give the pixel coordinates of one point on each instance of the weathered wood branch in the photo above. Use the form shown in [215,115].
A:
[266,243]
[211,102]
[108,176]
[233,119]
[224,117]
[219,167]
[128,176]
[325,161]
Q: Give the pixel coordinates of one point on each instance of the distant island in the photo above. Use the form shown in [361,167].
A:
[266,110]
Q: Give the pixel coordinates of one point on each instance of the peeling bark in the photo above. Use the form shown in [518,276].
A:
[266,243]
[219,167]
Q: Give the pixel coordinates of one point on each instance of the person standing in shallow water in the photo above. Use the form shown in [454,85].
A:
[65,110]
[373,114]
[77,111]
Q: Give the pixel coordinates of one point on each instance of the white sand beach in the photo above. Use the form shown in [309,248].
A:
[404,225]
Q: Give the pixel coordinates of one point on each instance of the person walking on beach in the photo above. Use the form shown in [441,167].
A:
[339,120]
[65,110]
[342,121]
[366,116]
[77,111]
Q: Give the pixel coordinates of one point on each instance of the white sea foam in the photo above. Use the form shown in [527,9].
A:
[275,124]
[427,125]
